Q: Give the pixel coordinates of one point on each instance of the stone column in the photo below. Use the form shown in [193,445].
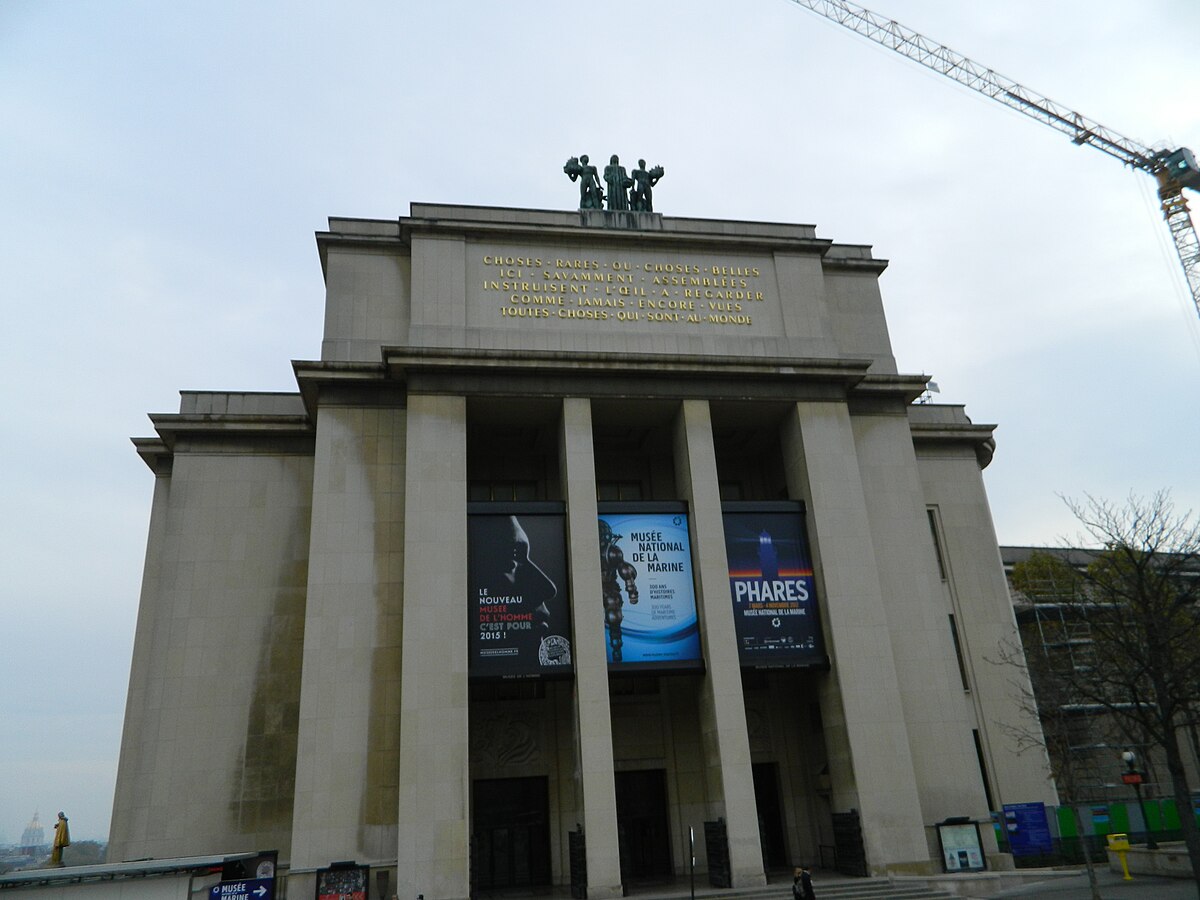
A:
[944,755]
[434,818]
[871,766]
[593,720]
[728,773]
[345,806]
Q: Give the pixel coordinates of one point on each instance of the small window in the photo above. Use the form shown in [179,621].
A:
[983,772]
[937,542]
[633,686]
[731,490]
[607,491]
[962,666]
[501,491]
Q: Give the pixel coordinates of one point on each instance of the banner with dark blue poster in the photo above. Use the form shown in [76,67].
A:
[520,611]
[649,597]
[1028,829]
[771,586]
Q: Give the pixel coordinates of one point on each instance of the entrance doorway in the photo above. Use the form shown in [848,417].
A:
[770,815]
[642,827]
[511,833]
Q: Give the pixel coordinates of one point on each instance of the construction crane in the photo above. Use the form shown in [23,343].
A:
[1174,170]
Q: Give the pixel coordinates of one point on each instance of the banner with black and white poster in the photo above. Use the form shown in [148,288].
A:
[650,619]
[772,587]
[519,606]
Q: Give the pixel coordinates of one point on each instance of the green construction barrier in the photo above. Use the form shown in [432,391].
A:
[1164,817]
[1118,814]
[1066,822]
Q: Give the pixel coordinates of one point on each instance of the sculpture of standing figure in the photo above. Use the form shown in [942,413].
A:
[590,195]
[618,184]
[613,570]
[642,198]
[62,838]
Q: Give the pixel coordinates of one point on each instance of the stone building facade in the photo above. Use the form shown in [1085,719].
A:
[377,625]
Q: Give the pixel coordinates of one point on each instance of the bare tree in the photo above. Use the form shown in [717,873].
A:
[1140,598]
[1048,707]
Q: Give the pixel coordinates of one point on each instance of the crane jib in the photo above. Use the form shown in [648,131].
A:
[1174,170]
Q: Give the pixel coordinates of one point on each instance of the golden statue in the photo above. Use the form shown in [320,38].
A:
[62,838]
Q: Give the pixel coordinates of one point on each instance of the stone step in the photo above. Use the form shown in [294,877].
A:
[840,889]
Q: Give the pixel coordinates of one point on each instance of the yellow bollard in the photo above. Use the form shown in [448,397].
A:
[1119,843]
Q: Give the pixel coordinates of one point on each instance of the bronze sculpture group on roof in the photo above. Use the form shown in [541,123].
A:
[625,192]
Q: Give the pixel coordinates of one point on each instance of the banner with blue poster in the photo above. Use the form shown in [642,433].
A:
[1027,829]
[649,596]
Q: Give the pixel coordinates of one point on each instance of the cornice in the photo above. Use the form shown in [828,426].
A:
[595,226]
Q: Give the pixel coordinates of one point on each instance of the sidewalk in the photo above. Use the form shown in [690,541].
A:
[1112,887]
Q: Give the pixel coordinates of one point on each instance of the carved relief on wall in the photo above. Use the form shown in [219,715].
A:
[758,725]
[506,740]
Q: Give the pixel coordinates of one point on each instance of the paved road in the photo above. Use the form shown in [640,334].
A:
[1112,887]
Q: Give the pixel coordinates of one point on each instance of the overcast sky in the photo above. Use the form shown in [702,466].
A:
[165,165]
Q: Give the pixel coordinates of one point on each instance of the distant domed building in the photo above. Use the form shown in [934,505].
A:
[33,838]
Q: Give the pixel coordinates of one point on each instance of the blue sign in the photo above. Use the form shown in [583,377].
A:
[250,889]
[1028,829]
[649,601]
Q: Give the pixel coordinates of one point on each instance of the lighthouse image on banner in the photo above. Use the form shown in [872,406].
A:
[772,589]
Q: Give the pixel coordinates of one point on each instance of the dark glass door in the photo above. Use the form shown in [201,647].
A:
[642,827]
[511,834]
[770,815]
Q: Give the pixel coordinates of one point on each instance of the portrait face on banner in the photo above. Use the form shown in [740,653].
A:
[520,611]
[772,588]
[649,596]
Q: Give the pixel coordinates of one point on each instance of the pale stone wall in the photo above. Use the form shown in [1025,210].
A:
[208,752]
[722,714]
[867,736]
[938,715]
[952,481]
[592,728]
[686,287]
[349,739]
[857,323]
[434,778]
[367,292]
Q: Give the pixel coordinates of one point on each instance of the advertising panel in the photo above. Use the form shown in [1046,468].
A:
[343,882]
[1028,829]
[961,847]
[520,612]
[649,596]
[771,586]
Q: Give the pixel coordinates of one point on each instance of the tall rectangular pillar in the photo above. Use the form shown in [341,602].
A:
[939,712]
[729,775]
[871,766]
[345,801]
[593,719]
[433,856]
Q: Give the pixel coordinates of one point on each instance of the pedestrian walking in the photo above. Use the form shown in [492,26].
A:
[802,886]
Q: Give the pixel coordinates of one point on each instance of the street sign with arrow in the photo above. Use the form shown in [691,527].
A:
[249,889]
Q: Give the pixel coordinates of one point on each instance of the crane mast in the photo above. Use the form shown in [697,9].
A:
[1173,170]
